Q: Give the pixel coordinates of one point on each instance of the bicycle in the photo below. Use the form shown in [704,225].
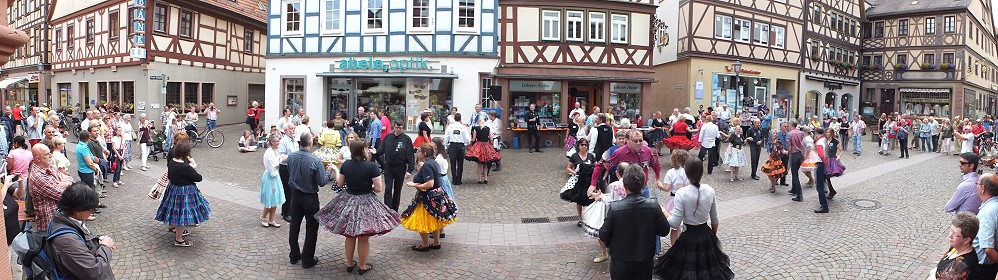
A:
[214,137]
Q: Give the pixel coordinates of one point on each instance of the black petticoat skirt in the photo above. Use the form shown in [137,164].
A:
[696,255]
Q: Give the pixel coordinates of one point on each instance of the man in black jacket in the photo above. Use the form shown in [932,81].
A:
[533,119]
[630,228]
[756,138]
[399,163]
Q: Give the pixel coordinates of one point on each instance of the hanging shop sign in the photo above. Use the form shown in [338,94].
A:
[535,86]
[744,71]
[625,88]
[371,63]
[137,16]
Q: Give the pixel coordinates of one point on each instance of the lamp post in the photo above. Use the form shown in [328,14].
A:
[737,67]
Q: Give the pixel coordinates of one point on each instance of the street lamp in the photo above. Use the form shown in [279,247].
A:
[737,67]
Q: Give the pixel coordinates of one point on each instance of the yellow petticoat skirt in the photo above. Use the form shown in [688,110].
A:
[422,222]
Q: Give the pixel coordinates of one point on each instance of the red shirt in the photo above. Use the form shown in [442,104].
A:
[387,125]
[259,111]
[17,113]
[977,129]
[680,128]
[46,189]
[251,113]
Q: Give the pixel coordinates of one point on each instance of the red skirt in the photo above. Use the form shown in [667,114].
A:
[420,140]
[679,141]
[482,152]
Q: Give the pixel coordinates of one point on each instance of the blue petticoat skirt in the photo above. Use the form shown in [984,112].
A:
[271,191]
[183,206]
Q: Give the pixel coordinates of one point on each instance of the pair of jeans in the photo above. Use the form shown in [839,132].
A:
[819,185]
[117,172]
[211,124]
[904,147]
[857,145]
[105,166]
[394,177]
[796,159]
[926,146]
[646,193]
[305,206]
[935,143]
[88,178]
[844,138]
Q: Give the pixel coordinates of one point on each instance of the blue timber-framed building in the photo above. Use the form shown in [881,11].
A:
[406,57]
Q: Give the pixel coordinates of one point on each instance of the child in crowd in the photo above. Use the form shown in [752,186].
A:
[673,180]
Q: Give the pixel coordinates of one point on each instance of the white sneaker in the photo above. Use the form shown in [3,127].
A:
[601,258]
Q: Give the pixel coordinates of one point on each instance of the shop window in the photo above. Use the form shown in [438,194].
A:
[65,89]
[625,100]
[547,106]
[128,97]
[190,95]
[742,30]
[114,94]
[207,94]
[930,25]
[597,27]
[383,95]
[102,94]
[722,27]
[173,94]
[573,30]
[551,25]
[294,94]
[85,94]
[924,103]
[903,27]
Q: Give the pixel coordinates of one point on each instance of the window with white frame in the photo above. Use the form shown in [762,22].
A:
[742,30]
[292,17]
[779,36]
[374,16]
[930,25]
[949,24]
[722,27]
[760,34]
[573,29]
[420,16]
[467,15]
[332,14]
[551,25]
[618,28]
[597,27]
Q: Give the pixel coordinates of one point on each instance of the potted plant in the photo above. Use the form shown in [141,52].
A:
[928,66]
[946,66]
[899,66]
[815,57]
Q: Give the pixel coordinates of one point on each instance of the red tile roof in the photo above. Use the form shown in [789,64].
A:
[254,9]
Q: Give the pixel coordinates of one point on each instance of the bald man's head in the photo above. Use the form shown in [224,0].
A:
[42,155]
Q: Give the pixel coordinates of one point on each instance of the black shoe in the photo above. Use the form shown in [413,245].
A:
[295,260]
[362,271]
[531,151]
[309,264]
[832,194]
[539,151]
[821,210]
[797,198]
[755,177]
[457,183]
[286,218]
[898,157]
[101,206]
[497,169]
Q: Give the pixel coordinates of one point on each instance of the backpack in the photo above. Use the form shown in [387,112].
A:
[37,260]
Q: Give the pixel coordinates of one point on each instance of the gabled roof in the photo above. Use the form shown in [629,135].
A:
[897,7]
[254,9]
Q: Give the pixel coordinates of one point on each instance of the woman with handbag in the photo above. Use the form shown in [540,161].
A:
[431,210]
[271,187]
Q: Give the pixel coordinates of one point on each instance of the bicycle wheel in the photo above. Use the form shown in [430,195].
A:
[195,138]
[215,138]
[76,131]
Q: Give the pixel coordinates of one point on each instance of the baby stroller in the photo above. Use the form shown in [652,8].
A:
[156,146]
[987,150]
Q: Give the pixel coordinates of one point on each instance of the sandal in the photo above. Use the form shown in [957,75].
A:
[350,268]
[418,248]
[186,233]
[579,224]
[183,243]
[362,271]
[772,189]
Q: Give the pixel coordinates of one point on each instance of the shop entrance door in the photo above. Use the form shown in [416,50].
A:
[887,101]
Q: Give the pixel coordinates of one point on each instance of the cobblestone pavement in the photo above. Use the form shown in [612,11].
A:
[766,235]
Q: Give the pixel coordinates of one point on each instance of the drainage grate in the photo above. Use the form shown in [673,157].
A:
[567,219]
[866,204]
[535,220]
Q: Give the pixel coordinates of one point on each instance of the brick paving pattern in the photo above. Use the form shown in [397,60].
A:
[767,235]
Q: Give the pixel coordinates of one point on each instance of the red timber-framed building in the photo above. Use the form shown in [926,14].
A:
[558,52]
[140,55]
[24,79]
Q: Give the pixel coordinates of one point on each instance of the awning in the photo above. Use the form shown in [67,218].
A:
[10,81]
[925,90]
[387,75]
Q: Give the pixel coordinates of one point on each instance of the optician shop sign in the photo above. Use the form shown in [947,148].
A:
[535,86]
[385,65]
[625,88]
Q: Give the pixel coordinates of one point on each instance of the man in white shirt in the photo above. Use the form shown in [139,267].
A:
[34,125]
[674,116]
[85,124]
[493,124]
[724,117]
[477,116]
[708,134]
[296,119]
[456,139]
[934,129]
[578,111]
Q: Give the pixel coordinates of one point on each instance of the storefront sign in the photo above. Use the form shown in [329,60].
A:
[924,75]
[744,71]
[34,78]
[535,86]
[625,88]
[369,63]
[833,85]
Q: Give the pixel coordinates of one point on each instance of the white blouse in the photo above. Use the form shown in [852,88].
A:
[694,206]
[443,164]
[270,161]
[60,160]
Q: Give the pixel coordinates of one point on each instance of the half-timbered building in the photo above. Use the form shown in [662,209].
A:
[24,79]
[829,77]
[558,52]
[929,58]
[141,55]
[401,57]
[699,41]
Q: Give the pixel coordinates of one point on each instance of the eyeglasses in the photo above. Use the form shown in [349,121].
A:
[964,163]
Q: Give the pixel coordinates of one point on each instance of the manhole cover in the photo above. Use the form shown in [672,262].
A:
[535,220]
[567,219]
[866,204]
